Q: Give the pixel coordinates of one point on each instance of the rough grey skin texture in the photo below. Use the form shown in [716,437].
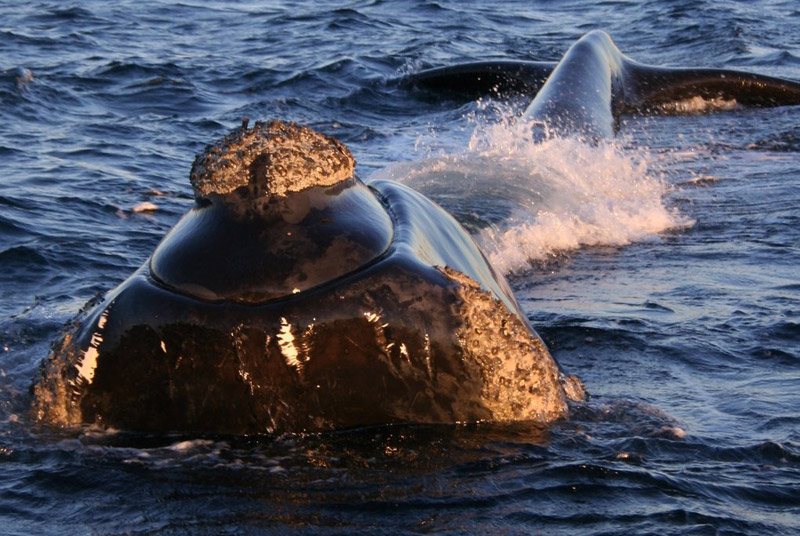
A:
[272,159]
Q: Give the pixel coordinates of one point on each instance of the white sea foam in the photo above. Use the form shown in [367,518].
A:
[526,201]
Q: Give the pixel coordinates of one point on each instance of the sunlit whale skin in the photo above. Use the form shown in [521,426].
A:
[319,305]
[585,93]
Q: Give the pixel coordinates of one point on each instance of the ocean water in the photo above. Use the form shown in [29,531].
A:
[661,267]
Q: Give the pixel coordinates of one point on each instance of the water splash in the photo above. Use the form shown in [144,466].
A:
[526,201]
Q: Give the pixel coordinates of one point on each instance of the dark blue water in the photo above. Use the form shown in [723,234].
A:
[662,270]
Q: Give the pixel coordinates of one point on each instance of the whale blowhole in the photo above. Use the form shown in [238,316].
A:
[271,159]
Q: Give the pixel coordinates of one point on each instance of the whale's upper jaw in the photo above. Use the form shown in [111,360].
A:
[270,160]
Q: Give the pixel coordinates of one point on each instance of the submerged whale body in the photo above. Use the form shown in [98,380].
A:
[293,297]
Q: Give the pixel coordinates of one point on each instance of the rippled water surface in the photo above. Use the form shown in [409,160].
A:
[661,268]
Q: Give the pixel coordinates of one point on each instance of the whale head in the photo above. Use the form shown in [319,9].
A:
[278,211]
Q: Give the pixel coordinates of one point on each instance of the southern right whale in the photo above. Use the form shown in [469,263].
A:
[293,297]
